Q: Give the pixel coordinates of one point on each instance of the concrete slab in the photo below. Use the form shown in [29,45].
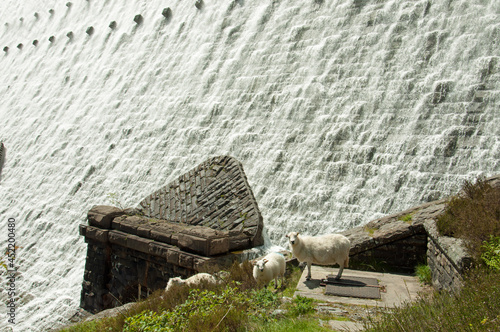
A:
[360,287]
[396,288]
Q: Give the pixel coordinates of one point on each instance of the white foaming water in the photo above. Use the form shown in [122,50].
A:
[328,105]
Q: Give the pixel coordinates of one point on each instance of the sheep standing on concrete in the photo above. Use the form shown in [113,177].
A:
[270,267]
[195,281]
[326,249]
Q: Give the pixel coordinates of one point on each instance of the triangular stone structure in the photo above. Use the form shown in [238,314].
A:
[215,194]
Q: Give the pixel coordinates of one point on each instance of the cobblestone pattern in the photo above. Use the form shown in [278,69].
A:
[215,194]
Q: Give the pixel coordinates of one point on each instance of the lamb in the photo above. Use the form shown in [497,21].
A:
[192,282]
[270,267]
[328,249]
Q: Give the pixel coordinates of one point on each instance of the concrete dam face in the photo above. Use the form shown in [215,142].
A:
[340,111]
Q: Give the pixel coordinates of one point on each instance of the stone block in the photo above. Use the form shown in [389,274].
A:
[144,231]
[82,229]
[119,238]
[160,236]
[218,246]
[174,239]
[173,257]
[392,232]
[193,244]
[159,249]
[201,263]
[102,215]
[238,242]
[128,224]
[185,260]
[97,234]
[138,243]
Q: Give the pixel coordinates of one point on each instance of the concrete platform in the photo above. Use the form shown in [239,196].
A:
[395,288]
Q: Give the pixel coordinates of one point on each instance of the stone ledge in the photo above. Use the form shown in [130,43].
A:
[452,248]
[391,228]
[102,215]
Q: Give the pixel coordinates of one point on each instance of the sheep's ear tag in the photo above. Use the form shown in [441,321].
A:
[287,235]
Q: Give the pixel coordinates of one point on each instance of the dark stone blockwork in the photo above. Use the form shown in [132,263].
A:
[198,221]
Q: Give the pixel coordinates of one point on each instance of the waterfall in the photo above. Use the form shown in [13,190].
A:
[341,111]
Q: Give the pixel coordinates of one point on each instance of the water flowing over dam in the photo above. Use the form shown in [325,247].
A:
[340,111]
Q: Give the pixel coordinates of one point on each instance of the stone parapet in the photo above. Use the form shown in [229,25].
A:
[202,221]
[405,239]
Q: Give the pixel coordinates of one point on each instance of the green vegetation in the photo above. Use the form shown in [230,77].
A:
[113,198]
[235,305]
[491,252]
[474,216]
[370,230]
[475,308]
[423,273]
[407,218]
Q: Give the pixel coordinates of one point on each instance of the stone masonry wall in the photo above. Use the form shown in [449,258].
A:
[201,221]
[403,240]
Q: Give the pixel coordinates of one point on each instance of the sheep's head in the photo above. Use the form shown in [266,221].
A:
[174,282]
[260,264]
[292,237]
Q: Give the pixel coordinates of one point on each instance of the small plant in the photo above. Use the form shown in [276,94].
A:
[424,274]
[473,215]
[369,230]
[302,306]
[491,252]
[293,277]
[113,198]
[406,218]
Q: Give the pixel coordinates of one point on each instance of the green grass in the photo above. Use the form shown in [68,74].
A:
[292,280]
[423,273]
[292,325]
[407,218]
[475,308]
[474,215]
[235,305]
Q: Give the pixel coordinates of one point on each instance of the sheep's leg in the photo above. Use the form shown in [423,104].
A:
[308,271]
[339,274]
[275,282]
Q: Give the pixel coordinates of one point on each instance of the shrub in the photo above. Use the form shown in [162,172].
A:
[207,310]
[301,306]
[473,215]
[424,274]
[491,252]
[475,308]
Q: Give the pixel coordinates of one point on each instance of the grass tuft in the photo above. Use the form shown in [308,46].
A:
[474,215]
[475,308]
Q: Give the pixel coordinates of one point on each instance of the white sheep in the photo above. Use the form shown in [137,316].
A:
[270,267]
[192,282]
[328,249]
